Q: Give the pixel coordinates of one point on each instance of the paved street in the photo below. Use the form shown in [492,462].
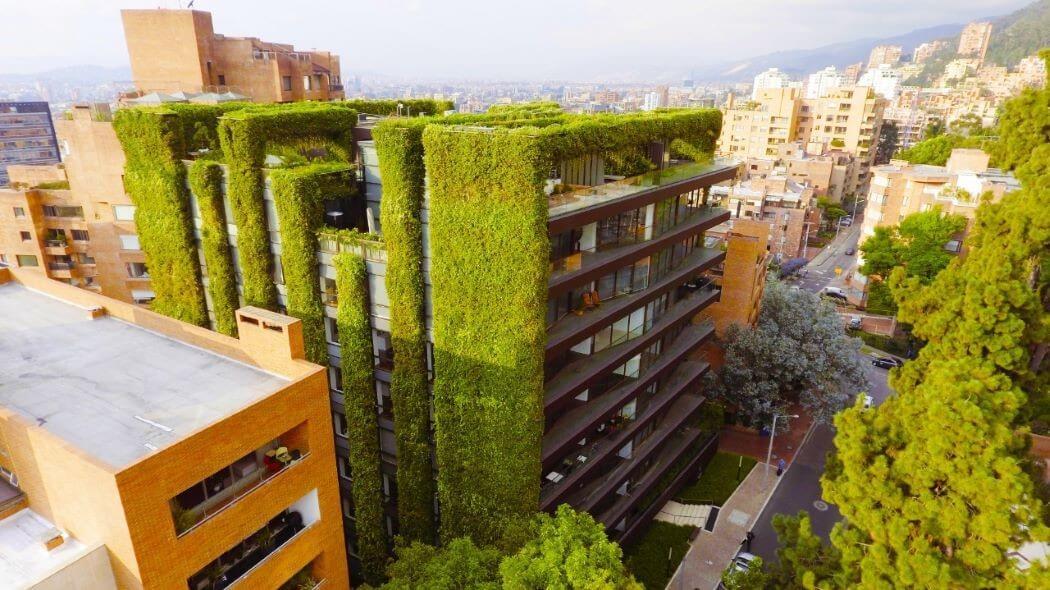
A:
[821,270]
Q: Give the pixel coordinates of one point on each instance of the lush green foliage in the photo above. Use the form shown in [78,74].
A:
[460,564]
[1020,34]
[488,237]
[753,578]
[299,195]
[897,345]
[803,558]
[889,136]
[411,107]
[1024,127]
[935,150]
[244,136]
[570,550]
[53,186]
[355,342]
[155,177]
[797,353]
[647,558]
[718,480]
[400,148]
[206,179]
[932,482]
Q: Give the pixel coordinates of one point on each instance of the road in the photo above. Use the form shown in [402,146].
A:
[800,489]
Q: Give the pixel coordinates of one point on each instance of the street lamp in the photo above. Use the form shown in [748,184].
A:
[772,435]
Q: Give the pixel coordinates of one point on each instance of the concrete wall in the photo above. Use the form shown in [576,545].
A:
[166,48]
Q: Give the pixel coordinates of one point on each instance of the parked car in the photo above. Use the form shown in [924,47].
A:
[886,362]
[851,251]
[846,221]
[835,292]
[855,322]
[868,401]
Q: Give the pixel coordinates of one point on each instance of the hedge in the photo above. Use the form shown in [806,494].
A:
[488,237]
[355,342]
[411,107]
[155,178]
[299,195]
[400,149]
[206,179]
[244,136]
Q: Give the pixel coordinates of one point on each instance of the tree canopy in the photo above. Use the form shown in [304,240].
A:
[797,353]
[460,564]
[936,150]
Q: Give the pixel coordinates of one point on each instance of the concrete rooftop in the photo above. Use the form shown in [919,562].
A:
[112,389]
[24,561]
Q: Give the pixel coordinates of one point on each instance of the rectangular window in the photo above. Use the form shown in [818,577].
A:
[142,296]
[286,83]
[222,79]
[85,259]
[20,212]
[27,260]
[129,242]
[26,236]
[124,212]
[344,466]
[80,235]
[306,83]
[339,423]
[137,270]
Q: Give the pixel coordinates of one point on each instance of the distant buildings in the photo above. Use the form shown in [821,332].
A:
[884,55]
[771,79]
[819,83]
[973,42]
[885,80]
[786,207]
[27,136]
[926,50]
[900,189]
[178,51]
[143,452]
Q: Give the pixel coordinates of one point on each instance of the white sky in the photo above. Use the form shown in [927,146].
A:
[494,39]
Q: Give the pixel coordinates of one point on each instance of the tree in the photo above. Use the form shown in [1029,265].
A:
[459,565]
[570,551]
[753,578]
[936,150]
[803,559]
[934,128]
[1024,128]
[831,212]
[889,136]
[797,353]
[969,125]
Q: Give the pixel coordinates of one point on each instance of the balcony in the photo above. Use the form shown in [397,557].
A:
[594,265]
[584,372]
[569,330]
[227,486]
[580,207]
[572,477]
[54,247]
[574,424]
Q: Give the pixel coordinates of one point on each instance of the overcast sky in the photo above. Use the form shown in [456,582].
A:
[478,39]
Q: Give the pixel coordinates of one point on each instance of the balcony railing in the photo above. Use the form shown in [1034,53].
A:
[252,553]
[60,265]
[374,250]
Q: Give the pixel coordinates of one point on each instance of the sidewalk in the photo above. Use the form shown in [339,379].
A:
[737,440]
[710,553]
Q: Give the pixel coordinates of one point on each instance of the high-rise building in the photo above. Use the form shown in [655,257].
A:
[973,42]
[885,80]
[771,79]
[742,276]
[147,453]
[761,127]
[852,73]
[581,334]
[179,51]
[848,119]
[924,51]
[889,55]
[819,83]
[27,136]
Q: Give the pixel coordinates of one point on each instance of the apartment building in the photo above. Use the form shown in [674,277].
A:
[925,51]
[761,127]
[179,51]
[596,293]
[772,78]
[884,55]
[27,136]
[900,189]
[742,275]
[820,83]
[847,119]
[973,42]
[787,208]
[147,453]
[884,80]
[852,73]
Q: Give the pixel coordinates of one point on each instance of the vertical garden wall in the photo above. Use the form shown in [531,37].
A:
[206,178]
[299,194]
[400,148]
[489,250]
[355,341]
[245,136]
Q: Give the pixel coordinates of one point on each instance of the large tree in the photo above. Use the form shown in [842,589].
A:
[803,559]
[460,564]
[935,150]
[889,137]
[797,353]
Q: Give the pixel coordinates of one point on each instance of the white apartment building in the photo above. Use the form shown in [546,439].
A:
[885,80]
[772,78]
[819,83]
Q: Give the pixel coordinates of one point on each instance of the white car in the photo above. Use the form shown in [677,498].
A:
[868,401]
[742,561]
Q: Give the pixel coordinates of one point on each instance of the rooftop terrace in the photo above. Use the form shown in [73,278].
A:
[110,388]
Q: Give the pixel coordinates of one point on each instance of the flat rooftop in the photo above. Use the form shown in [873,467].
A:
[113,389]
[24,562]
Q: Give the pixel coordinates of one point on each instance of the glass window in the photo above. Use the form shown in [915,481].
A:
[26,260]
[286,83]
[137,270]
[129,242]
[339,423]
[26,236]
[20,212]
[124,212]
[80,235]
[344,466]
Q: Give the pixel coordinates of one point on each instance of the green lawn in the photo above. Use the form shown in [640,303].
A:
[718,481]
[647,557]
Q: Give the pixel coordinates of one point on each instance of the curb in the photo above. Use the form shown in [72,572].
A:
[805,439]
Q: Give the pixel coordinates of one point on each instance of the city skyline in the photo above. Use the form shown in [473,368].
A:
[620,43]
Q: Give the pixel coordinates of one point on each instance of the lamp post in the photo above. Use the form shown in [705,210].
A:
[772,435]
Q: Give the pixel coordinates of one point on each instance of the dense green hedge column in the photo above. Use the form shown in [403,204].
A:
[244,151]
[400,149]
[155,179]
[299,195]
[206,181]
[355,341]
[488,238]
